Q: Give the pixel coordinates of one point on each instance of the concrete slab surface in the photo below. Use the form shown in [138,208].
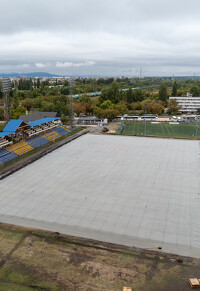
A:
[141,192]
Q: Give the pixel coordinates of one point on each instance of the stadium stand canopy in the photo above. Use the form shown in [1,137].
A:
[14,124]
[37,115]
[46,134]
[42,121]
[19,127]
[5,133]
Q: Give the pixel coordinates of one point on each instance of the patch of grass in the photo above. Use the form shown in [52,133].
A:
[14,287]
[12,276]
[129,252]
[9,273]
[8,239]
[11,234]
[42,262]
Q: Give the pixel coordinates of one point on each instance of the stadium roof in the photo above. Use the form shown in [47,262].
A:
[37,115]
[5,133]
[42,121]
[12,125]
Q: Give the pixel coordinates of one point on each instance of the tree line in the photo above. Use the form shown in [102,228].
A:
[34,94]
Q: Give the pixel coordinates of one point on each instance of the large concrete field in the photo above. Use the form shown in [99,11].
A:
[141,192]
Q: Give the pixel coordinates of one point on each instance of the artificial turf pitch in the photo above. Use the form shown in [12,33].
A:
[164,129]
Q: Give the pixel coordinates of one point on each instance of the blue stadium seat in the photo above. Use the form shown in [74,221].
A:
[6,156]
[37,141]
[61,130]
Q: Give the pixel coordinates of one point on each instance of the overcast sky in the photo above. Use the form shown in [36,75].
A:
[107,37]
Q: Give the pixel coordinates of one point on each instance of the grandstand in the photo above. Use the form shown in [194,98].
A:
[51,136]
[34,134]
[4,142]
[37,141]
[6,156]
[62,130]
[20,148]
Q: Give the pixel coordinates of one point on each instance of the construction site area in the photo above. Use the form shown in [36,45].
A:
[129,205]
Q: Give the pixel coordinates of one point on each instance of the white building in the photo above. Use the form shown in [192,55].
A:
[188,104]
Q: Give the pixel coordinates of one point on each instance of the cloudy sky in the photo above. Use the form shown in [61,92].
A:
[107,37]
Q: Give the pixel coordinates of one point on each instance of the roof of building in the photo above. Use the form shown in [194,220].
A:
[90,119]
[42,121]
[12,125]
[37,115]
[5,133]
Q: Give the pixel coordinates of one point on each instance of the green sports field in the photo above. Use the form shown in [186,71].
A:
[164,129]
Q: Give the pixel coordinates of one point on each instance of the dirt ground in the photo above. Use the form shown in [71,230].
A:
[36,260]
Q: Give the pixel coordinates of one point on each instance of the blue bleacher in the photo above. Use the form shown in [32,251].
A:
[6,156]
[37,141]
[61,130]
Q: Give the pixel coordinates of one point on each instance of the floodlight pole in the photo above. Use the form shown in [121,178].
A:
[71,85]
[5,89]
[145,125]
[196,126]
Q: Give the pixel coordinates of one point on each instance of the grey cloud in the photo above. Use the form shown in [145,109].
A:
[110,15]
[107,36]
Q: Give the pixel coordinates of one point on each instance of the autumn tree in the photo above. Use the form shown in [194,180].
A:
[28,103]
[173,107]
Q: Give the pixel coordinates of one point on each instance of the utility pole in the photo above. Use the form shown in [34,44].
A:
[145,124]
[71,86]
[197,125]
[5,89]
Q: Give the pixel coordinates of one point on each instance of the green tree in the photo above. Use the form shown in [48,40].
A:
[84,99]
[121,108]
[65,90]
[163,93]
[15,113]
[195,91]
[130,96]
[106,104]
[1,113]
[174,89]
[38,83]
[111,93]
[28,103]
[138,95]
[109,113]
[1,126]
